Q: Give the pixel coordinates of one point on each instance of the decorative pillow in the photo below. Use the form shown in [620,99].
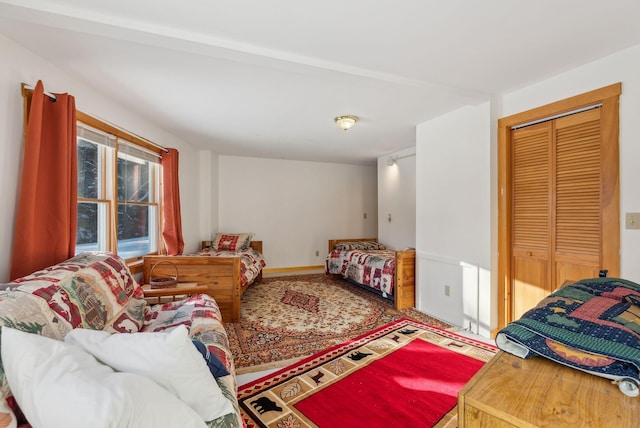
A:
[359,245]
[231,241]
[168,358]
[60,385]
[216,367]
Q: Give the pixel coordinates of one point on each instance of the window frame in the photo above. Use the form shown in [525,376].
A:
[112,200]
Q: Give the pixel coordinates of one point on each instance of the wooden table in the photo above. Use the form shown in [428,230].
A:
[181,289]
[511,392]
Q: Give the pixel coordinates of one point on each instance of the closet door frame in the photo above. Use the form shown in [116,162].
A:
[608,96]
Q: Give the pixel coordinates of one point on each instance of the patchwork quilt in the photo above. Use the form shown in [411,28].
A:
[592,325]
[372,268]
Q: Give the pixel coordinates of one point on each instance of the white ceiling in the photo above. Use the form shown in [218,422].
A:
[266,78]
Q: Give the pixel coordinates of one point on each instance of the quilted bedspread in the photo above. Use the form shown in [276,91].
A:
[373,268]
[592,325]
[251,262]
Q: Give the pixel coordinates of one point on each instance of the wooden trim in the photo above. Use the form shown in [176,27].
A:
[610,185]
[608,96]
[120,133]
[563,106]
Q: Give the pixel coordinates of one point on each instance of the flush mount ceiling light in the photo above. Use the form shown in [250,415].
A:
[346,122]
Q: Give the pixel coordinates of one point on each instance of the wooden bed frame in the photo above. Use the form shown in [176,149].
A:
[220,274]
[404,294]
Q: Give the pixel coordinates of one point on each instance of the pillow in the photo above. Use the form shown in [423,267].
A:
[168,358]
[216,367]
[359,245]
[231,241]
[60,385]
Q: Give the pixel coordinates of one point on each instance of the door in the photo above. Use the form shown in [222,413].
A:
[558,206]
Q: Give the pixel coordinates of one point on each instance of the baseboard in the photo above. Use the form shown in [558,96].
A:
[296,270]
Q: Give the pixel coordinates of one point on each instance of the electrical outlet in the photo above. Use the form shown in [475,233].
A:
[632,221]
[317,253]
[447,290]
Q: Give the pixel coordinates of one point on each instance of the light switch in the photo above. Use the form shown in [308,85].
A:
[632,221]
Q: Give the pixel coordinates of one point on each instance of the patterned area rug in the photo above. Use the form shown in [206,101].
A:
[404,374]
[284,319]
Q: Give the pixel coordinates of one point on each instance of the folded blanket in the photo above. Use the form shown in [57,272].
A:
[592,325]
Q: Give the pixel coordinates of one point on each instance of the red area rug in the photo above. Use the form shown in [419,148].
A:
[404,374]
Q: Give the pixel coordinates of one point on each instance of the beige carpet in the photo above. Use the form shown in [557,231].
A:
[286,318]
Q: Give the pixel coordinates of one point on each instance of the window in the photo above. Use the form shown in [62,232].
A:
[118,192]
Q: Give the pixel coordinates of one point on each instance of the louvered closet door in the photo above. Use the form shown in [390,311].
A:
[556,176]
[531,255]
[577,244]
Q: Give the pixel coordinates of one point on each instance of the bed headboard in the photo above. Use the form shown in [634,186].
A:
[333,242]
[256,245]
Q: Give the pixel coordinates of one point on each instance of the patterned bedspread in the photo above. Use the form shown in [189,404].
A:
[373,268]
[251,262]
[592,325]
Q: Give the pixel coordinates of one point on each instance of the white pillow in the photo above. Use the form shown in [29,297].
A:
[60,385]
[168,358]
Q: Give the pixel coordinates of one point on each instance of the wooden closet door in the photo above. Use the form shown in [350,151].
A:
[577,244]
[556,206]
[531,220]
[558,198]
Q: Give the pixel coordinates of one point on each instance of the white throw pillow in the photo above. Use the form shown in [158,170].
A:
[60,385]
[168,358]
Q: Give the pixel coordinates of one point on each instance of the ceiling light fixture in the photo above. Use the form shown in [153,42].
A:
[391,161]
[346,122]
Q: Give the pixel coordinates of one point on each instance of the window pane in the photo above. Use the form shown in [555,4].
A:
[91,232]
[134,225]
[88,170]
[133,179]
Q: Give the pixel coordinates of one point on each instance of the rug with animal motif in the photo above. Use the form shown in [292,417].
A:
[404,374]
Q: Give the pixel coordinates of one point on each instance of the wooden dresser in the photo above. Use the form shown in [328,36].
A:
[511,392]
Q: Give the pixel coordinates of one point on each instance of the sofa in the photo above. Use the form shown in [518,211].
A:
[80,346]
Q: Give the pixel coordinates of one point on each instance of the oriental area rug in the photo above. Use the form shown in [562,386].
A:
[284,319]
[404,374]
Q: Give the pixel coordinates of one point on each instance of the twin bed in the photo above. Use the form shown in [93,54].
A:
[225,270]
[369,264]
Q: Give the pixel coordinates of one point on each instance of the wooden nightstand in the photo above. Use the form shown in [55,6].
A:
[181,289]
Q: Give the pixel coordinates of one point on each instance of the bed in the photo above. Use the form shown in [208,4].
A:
[367,263]
[226,273]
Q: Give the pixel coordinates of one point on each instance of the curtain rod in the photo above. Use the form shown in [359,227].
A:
[557,116]
[53,97]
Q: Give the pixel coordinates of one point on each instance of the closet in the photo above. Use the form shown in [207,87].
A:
[559,198]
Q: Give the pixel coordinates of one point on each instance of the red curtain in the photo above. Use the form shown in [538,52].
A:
[172,220]
[45,230]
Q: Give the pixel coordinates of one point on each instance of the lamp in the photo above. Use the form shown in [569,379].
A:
[345,122]
[391,161]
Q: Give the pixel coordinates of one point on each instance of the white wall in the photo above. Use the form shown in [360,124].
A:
[457,187]
[397,198]
[453,216]
[295,207]
[20,65]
